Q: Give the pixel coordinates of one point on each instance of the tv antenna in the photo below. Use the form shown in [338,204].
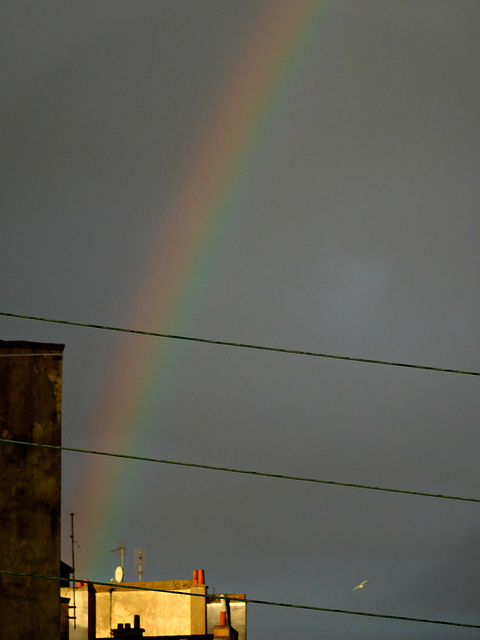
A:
[139,559]
[74,542]
[119,570]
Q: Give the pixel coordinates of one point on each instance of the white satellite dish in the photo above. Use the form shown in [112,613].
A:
[118,574]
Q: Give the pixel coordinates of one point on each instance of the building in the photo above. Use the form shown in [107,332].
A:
[157,610]
[30,477]
[36,600]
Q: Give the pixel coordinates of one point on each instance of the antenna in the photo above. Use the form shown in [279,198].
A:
[139,558]
[72,536]
[121,548]
[119,570]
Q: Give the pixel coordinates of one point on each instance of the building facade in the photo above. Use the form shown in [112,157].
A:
[30,477]
[161,609]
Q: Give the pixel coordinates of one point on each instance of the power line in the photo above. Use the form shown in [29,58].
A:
[242,471]
[243,345]
[250,601]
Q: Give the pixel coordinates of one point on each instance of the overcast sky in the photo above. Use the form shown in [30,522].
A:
[353,230]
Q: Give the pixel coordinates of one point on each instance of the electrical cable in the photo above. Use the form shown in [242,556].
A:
[242,345]
[250,600]
[243,471]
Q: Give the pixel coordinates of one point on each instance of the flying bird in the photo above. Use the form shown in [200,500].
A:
[360,586]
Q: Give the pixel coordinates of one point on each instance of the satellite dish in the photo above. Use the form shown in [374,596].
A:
[118,574]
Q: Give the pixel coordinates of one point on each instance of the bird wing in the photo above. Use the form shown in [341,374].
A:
[360,586]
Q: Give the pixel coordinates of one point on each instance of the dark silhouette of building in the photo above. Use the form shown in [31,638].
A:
[30,477]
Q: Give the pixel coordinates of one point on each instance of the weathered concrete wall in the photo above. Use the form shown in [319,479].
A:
[30,477]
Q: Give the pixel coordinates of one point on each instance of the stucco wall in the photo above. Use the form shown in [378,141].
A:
[160,613]
[79,629]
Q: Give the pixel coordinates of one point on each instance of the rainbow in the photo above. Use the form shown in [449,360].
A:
[202,206]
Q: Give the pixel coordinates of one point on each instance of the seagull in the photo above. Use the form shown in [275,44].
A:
[360,586]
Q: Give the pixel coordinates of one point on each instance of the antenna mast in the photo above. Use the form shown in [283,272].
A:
[140,553]
[121,548]
[72,536]
[119,570]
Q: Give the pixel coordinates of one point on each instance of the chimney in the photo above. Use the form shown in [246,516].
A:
[198,576]
[224,631]
[126,632]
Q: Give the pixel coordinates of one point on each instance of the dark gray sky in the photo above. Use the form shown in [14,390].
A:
[355,232]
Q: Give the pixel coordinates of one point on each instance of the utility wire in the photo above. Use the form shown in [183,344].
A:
[130,586]
[244,471]
[243,345]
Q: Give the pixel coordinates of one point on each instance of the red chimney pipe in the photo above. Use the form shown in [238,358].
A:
[223,618]
[201,576]
[195,576]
